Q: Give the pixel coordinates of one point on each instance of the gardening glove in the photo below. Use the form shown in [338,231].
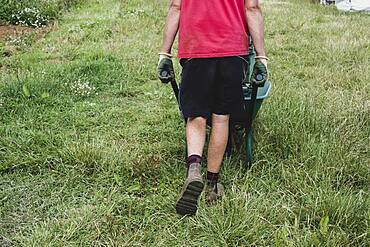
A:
[165,69]
[259,74]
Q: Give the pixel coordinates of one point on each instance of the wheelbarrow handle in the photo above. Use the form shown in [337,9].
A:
[174,85]
[175,89]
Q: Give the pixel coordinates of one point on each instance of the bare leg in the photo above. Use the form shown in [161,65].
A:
[195,135]
[217,142]
[187,204]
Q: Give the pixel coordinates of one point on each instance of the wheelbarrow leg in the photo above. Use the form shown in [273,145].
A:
[248,147]
[249,124]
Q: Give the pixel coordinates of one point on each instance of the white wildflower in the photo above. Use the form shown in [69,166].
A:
[82,88]
[30,16]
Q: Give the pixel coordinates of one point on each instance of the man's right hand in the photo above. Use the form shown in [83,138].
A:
[259,73]
[165,69]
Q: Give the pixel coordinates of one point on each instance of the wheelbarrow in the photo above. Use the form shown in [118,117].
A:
[240,125]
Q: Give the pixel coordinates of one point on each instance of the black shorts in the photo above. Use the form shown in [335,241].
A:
[212,85]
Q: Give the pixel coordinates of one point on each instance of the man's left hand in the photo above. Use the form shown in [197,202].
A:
[165,69]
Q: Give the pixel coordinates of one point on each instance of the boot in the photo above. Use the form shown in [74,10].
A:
[187,204]
[214,193]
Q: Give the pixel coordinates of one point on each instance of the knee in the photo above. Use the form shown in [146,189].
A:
[220,119]
[197,120]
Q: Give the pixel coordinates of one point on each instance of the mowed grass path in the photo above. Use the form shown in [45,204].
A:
[92,146]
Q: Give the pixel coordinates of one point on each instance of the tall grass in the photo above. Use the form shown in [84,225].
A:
[104,168]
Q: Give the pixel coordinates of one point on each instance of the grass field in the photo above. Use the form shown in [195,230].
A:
[92,145]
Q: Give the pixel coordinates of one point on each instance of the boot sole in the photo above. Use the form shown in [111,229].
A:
[188,202]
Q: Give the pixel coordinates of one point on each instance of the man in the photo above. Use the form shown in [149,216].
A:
[213,43]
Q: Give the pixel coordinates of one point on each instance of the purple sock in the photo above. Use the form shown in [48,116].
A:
[212,178]
[194,158]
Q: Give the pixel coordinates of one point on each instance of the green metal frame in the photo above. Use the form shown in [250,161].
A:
[249,133]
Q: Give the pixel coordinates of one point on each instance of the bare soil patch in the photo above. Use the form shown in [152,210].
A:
[15,31]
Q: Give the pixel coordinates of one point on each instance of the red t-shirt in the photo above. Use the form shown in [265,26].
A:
[212,28]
